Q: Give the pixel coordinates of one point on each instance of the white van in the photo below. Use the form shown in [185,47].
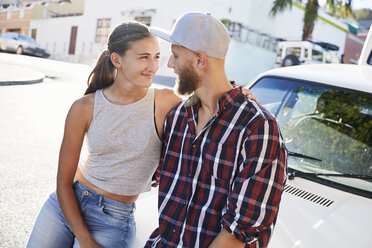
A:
[305,52]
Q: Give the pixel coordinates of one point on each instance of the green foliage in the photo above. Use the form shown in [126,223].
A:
[280,6]
[339,132]
[363,14]
[226,22]
[340,8]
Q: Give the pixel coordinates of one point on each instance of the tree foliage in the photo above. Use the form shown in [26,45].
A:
[363,14]
[340,8]
[339,132]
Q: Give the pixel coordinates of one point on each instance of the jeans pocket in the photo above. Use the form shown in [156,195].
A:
[116,212]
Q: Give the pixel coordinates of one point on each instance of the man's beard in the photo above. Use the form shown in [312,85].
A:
[187,81]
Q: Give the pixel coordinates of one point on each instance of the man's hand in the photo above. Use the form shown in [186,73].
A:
[249,94]
[226,240]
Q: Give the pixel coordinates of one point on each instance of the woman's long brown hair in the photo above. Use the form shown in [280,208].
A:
[119,42]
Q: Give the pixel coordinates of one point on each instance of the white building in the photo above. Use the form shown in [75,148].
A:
[82,38]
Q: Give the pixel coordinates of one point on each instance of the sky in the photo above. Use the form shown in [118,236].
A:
[357,4]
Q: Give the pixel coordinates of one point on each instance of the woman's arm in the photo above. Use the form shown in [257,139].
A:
[77,123]
[165,99]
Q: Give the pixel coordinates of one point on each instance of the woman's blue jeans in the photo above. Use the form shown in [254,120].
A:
[110,222]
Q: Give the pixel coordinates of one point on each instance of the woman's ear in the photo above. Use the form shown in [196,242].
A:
[115,59]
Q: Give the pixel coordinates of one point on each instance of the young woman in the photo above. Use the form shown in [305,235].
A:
[122,119]
[93,205]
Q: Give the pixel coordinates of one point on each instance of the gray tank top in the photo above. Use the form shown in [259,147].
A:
[123,146]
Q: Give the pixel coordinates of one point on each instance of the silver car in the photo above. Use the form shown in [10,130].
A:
[20,44]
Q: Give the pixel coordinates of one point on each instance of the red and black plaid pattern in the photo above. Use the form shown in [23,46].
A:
[231,175]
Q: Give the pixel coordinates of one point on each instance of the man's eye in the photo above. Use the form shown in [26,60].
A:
[143,57]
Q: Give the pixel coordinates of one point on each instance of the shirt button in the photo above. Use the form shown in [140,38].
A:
[193,146]
[174,230]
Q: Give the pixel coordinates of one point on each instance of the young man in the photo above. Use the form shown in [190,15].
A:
[224,162]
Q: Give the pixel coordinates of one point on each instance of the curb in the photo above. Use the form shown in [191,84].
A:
[21,82]
[15,75]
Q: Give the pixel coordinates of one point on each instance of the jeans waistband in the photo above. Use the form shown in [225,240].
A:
[81,189]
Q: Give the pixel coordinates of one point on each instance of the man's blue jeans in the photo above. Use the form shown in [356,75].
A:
[110,222]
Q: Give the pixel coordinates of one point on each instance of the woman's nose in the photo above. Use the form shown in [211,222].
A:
[151,65]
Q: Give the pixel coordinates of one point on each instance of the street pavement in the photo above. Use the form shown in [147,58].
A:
[31,126]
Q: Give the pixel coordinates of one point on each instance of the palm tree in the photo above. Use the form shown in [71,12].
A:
[311,12]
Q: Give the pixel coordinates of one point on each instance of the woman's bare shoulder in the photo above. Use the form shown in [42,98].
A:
[83,106]
[167,96]
[86,101]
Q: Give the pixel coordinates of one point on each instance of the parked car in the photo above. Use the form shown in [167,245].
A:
[20,44]
[305,52]
[325,115]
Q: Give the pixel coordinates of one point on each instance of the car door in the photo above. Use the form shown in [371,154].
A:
[12,42]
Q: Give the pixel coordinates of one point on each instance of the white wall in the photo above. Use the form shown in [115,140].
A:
[288,25]
[245,61]
[54,34]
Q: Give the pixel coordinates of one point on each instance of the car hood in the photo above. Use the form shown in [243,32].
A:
[315,215]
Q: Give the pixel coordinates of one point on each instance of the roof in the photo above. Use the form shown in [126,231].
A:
[348,76]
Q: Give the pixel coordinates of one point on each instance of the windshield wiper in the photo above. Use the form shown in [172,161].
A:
[299,155]
[294,173]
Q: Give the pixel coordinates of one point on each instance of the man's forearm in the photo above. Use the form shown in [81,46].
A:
[226,240]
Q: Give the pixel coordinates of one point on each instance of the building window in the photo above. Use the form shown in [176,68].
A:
[8,14]
[143,19]
[33,33]
[21,13]
[103,29]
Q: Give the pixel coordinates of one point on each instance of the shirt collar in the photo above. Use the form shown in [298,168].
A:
[226,101]
[229,98]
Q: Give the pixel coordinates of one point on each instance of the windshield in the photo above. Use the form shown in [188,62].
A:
[330,124]
[27,39]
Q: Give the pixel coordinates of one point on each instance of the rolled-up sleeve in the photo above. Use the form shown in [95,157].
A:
[253,202]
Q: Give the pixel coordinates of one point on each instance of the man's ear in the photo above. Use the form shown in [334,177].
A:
[115,59]
[201,60]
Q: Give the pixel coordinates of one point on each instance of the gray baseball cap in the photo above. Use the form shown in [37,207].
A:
[198,32]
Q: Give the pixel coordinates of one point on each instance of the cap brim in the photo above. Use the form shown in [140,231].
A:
[161,33]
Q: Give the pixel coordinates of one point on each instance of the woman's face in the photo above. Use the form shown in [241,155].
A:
[140,63]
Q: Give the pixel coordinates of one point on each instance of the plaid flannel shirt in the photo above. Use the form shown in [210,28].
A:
[231,175]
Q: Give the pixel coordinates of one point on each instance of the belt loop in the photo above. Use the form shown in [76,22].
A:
[100,204]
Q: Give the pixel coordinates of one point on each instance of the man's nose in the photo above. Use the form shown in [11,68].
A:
[170,62]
